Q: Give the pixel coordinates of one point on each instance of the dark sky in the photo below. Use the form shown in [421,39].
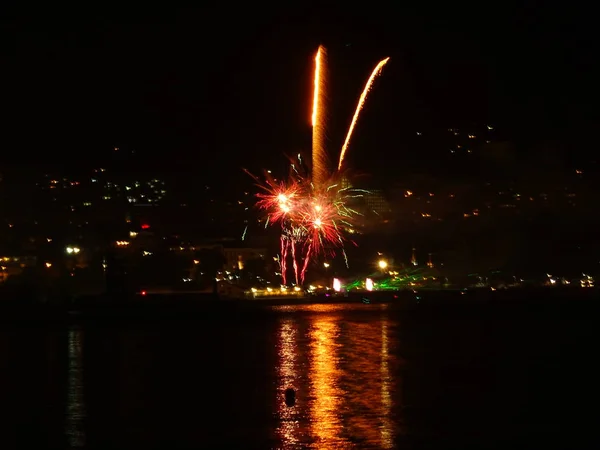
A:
[193,90]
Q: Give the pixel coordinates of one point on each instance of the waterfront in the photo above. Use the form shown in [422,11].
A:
[366,376]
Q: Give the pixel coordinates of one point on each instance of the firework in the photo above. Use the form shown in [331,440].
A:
[312,220]
[319,153]
[359,107]
[312,209]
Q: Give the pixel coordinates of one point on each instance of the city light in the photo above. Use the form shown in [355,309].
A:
[337,285]
[72,250]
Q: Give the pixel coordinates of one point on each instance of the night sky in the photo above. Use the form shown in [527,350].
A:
[207,91]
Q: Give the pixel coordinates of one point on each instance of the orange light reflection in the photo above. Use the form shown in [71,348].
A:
[325,374]
[288,430]
[368,395]
[387,438]
[347,391]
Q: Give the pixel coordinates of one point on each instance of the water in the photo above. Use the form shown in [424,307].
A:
[365,376]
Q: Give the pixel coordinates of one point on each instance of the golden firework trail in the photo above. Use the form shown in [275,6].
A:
[359,107]
[319,153]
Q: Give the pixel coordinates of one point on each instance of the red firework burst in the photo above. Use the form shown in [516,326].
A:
[312,221]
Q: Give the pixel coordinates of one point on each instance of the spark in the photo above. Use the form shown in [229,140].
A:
[294,260]
[244,233]
[317,80]
[278,198]
[319,153]
[359,107]
[306,261]
[345,258]
[283,259]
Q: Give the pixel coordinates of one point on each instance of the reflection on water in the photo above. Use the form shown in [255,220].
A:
[386,426]
[326,309]
[366,377]
[75,414]
[347,399]
[288,377]
[325,379]
[369,406]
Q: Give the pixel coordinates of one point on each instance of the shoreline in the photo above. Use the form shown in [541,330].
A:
[204,305]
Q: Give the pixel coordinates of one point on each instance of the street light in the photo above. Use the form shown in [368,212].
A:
[72,250]
[382,263]
[326,265]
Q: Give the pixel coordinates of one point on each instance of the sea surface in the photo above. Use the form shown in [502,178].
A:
[365,377]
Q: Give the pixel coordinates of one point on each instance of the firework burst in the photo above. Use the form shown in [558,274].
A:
[313,220]
[313,209]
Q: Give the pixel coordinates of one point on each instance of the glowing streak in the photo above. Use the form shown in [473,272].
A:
[361,103]
[294,261]
[282,259]
[345,258]
[306,261]
[319,155]
[317,80]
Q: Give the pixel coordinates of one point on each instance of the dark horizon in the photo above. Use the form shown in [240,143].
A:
[185,98]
